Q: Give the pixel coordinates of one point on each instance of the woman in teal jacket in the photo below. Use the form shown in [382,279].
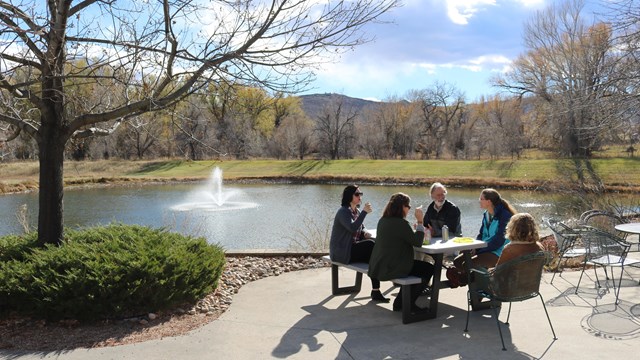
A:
[496,216]
[392,255]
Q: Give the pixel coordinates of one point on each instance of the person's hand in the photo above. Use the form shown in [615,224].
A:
[367,208]
[430,229]
[419,214]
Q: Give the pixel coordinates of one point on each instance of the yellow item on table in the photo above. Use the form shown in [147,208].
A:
[462,240]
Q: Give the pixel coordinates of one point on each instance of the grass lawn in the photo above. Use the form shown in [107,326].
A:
[621,173]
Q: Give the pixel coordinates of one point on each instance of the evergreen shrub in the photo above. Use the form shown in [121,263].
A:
[112,271]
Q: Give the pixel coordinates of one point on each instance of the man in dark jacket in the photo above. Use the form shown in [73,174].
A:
[442,212]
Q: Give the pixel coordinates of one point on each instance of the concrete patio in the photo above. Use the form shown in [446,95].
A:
[294,316]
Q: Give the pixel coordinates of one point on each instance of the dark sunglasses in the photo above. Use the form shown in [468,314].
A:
[358,194]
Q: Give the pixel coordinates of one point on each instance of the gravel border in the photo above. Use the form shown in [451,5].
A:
[27,334]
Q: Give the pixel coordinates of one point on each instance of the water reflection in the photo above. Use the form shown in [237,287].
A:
[281,212]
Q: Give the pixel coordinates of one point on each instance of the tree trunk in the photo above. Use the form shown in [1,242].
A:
[50,213]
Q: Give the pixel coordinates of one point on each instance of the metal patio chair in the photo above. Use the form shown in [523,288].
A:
[586,214]
[567,240]
[606,250]
[603,220]
[514,281]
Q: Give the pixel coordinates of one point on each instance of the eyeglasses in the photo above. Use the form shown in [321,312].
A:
[358,194]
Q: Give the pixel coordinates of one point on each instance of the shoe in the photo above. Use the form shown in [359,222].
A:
[426,291]
[376,295]
[454,277]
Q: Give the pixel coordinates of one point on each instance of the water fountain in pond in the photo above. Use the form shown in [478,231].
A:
[213,197]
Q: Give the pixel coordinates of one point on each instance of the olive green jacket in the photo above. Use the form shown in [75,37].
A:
[392,255]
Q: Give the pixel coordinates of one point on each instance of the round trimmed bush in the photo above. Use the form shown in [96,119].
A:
[106,272]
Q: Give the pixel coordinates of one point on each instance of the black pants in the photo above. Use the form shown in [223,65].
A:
[361,252]
[423,270]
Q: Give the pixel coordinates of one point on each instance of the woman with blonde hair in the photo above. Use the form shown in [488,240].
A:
[522,232]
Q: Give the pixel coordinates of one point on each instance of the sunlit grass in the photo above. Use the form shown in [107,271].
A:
[619,171]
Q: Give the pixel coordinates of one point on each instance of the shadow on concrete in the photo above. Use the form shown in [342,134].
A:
[367,331]
[613,322]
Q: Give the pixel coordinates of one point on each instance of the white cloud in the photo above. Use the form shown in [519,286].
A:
[531,2]
[431,68]
[462,42]
[491,60]
[460,11]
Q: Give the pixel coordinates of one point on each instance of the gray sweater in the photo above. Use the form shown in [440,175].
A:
[342,234]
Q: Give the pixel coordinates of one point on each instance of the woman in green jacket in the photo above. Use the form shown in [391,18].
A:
[392,255]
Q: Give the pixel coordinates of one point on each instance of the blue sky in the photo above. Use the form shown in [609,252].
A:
[461,42]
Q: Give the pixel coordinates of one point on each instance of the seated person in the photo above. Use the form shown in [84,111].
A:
[523,233]
[497,214]
[392,255]
[350,241]
[442,212]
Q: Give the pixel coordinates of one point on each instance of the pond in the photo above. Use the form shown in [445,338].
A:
[255,216]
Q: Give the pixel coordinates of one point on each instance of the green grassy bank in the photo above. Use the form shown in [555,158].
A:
[616,174]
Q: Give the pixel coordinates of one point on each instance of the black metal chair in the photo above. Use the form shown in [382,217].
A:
[603,220]
[514,281]
[606,250]
[586,214]
[567,239]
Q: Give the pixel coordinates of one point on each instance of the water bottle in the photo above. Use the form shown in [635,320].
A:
[427,236]
[445,233]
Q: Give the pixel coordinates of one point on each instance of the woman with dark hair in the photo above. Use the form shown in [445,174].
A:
[350,241]
[393,255]
[497,213]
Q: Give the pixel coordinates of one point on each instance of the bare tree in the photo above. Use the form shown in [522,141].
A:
[143,132]
[374,133]
[624,16]
[192,119]
[390,130]
[156,54]
[335,128]
[293,138]
[293,131]
[441,111]
[502,128]
[569,66]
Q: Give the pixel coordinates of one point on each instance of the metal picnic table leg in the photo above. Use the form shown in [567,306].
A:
[335,287]
[408,315]
[436,283]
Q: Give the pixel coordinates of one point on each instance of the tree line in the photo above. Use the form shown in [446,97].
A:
[572,91]
[164,83]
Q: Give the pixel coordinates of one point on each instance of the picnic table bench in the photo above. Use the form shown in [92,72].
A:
[362,268]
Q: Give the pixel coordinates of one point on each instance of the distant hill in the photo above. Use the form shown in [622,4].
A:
[314,104]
